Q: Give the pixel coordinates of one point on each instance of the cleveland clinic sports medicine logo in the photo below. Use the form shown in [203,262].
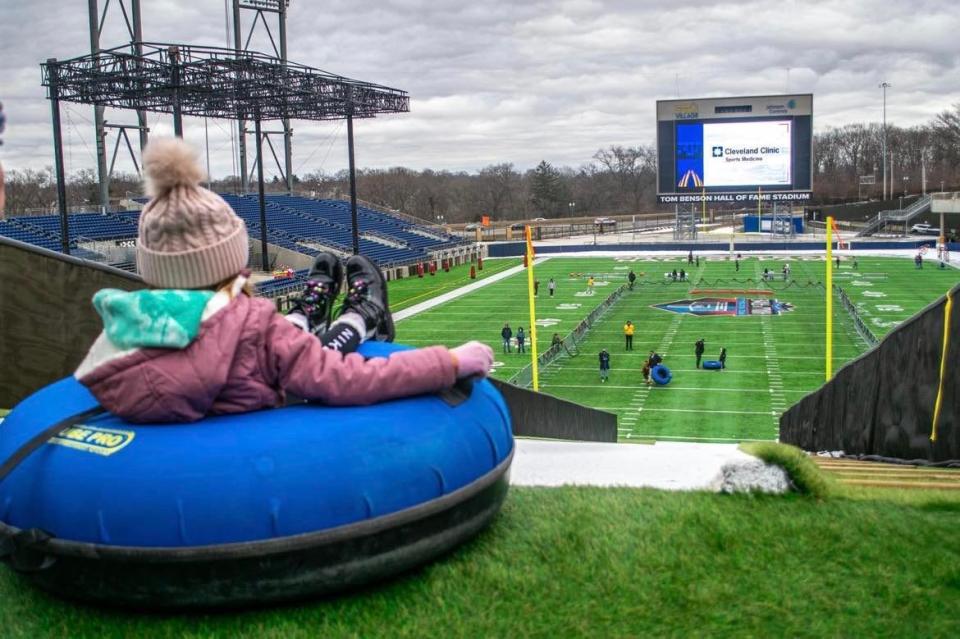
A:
[718,151]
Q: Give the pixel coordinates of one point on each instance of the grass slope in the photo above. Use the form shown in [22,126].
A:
[590,562]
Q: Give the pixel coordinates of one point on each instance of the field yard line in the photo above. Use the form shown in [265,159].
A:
[775,382]
[694,370]
[460,292]
[639,399]
[708,439]
[707,412]
[661,389]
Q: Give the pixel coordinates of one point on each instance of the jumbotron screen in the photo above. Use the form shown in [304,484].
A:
[735,149]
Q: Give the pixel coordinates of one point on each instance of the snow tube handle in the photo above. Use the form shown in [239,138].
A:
[26,550]
[456,394]
[41,438]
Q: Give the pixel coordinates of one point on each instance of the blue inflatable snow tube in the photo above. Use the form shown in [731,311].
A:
[661,375]
[316,490]
[712,364]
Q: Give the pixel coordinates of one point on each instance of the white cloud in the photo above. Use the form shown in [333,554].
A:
[517,82]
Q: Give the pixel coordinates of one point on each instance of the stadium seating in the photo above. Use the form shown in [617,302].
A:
[297,223]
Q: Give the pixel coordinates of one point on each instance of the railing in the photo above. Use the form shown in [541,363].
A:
[383,238]
[896,215]
[568,345]
[862,329]
[907,214]
[403,216]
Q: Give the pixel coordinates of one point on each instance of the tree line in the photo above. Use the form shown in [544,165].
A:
[616,180]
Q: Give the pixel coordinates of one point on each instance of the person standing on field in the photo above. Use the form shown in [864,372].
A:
[698,350]
[506,334]
[590,285]
[551,286]
[604,365]
[628,329]
[631,278]
[536,287]
[521,338]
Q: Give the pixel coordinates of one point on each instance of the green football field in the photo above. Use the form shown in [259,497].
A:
[772,360]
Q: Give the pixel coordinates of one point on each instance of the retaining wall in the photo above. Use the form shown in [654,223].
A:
[882,403]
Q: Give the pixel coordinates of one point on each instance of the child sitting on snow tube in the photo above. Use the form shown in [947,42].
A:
[199,344]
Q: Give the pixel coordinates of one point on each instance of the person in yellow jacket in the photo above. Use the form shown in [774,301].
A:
[628,334]
[590,285]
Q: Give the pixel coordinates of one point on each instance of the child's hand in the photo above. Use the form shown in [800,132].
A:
[473,358]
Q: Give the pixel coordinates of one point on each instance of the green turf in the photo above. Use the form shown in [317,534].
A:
[888,291]
[806,476]
[481,315]
[413,290]
[772,361]
[592,562]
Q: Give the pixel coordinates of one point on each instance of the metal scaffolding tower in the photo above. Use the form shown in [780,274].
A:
[132,23]
[260,7]
[212,82]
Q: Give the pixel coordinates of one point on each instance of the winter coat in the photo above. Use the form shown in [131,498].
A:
[604,361]
[171,355]
[506,333]
[521,336]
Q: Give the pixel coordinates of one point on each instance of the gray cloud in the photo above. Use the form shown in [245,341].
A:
[502,81]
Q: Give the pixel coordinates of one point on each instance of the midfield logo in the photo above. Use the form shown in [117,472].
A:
[729,306]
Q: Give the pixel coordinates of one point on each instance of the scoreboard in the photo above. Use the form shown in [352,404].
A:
[735,149]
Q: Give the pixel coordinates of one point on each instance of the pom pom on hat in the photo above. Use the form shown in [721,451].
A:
[169,163]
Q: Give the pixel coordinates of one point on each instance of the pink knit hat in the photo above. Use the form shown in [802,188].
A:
[188,237]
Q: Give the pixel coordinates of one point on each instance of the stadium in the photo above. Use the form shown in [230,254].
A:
[768,443]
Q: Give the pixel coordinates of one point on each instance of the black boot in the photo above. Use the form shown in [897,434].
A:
[367,296]
[320,291]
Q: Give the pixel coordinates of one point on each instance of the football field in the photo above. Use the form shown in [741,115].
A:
[773,359]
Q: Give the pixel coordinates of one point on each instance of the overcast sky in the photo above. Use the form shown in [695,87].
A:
[511,80]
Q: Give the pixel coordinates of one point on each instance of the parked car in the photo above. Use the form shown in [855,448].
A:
[924,229]
[518,226]
[539,219]
[605,221]
[473,226]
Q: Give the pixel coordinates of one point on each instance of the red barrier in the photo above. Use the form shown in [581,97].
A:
[473,272]
[419,269]
[479,263]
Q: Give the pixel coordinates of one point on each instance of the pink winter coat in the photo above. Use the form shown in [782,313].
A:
[243,357]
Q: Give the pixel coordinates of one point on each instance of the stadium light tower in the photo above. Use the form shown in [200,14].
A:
[884,85]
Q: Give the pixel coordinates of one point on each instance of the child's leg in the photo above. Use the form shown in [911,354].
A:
[345,334]
[366,307]
[311,310]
